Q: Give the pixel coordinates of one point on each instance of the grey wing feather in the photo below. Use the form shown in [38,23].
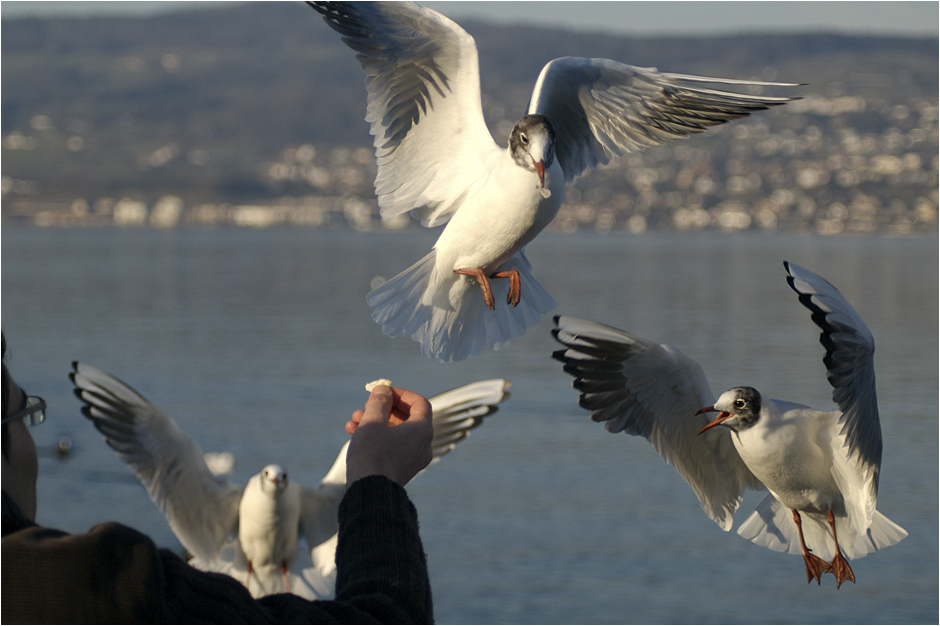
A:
[424,104]
[460,410]
[601,108]
[398,58]
[201,508]
[849,360]
[654,391]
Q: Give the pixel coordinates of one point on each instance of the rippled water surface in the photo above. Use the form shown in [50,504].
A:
[259,343]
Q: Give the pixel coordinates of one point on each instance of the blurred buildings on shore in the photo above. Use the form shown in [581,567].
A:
[797,168]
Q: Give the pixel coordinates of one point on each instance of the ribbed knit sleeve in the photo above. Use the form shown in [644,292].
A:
[379,555]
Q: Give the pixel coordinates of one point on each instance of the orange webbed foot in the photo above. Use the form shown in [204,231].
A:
[841,569]
[815,567]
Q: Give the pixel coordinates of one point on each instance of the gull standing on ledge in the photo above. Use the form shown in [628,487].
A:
[821,467]
[437,160]
[251,532]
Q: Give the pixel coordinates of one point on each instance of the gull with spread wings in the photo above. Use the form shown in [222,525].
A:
[438,161]
[821,467]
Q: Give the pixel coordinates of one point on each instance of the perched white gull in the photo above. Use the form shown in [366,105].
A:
[437,160]
[821,467]
[255,532]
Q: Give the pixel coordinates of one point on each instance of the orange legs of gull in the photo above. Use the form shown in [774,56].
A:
[286,579]
[839,566]
[815,566]
[514,287]
[480,277]
[483,282]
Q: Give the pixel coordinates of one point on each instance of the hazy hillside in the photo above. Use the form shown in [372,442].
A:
[210,106]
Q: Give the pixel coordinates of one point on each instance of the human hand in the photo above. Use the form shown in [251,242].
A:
[391,437]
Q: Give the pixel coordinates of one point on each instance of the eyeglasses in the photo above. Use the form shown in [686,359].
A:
[33,413]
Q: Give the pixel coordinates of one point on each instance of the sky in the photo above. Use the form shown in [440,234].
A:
[620,18]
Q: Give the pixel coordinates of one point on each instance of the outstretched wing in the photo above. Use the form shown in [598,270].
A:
[424,106]
[601,108]
[319,507]
[201,508]
[460,410]
[850,367]
[654,391]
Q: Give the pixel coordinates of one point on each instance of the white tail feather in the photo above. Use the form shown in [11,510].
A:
[771,525]
[446,314]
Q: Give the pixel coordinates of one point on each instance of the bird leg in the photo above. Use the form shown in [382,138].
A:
[514,286]
[815,566]
[840,566]
[284,573]
[248,579]
[483,282]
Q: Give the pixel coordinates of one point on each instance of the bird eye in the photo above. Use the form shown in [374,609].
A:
[525,138]
[739,404]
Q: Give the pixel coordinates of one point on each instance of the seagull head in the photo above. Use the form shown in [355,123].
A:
[273,479]
[532,144]
[738,408]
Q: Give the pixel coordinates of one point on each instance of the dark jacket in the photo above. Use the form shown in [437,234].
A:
[114,574]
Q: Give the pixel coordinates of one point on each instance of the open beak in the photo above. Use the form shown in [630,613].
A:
[540,170]
[722,416]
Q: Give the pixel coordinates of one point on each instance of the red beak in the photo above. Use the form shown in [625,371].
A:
[722,416]
[540,170]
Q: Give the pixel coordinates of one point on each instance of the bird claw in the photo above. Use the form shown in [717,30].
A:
[815,568]
[841,569]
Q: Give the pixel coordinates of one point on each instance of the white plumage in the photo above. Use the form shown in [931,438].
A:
[286,531]
[814,463]
[268,519]
[437,160]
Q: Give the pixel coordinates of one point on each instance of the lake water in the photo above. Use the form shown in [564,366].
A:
[259,343]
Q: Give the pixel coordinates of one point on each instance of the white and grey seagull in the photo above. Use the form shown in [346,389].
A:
[437,160]
[821,467]
[273,534]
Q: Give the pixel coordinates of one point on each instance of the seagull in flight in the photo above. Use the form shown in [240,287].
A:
[438,161]
[820,467]
[254,532]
